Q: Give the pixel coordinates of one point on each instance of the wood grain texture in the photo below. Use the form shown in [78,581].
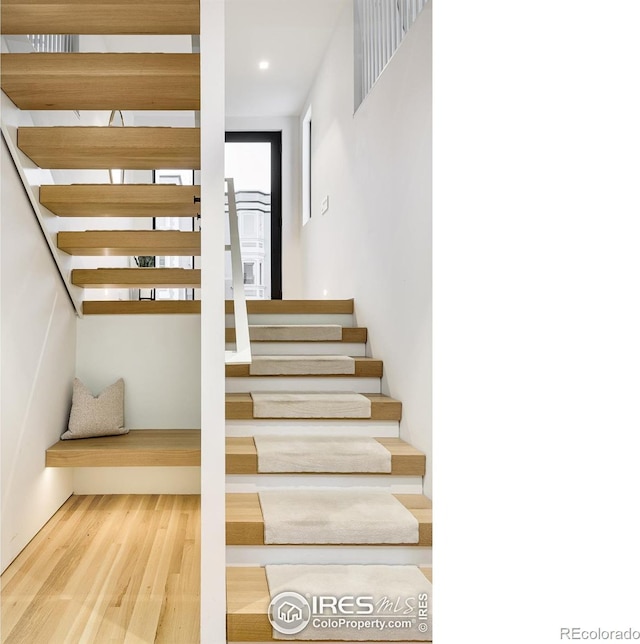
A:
[135,148]
[240,407]
[95,81]
[136,277]
[127,243]
[133,307]
[349,334]
[141,447]
[245,523]
[109,568]
[242,457]
[248,600]
[364,368]
[121,200]
[100,17]
[294,306]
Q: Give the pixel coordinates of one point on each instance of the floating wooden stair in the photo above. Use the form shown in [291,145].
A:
[288,307]
[146,447]
[245,523]
[135,307]
[349,335]
[100,17]
[136,277]
[39,81]
[242,457]
[135,148]
[364,368]
[121,200]
[248,601]
[129,242]
[240,407]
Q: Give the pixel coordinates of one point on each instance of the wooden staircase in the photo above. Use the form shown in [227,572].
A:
[112,81]
[248,552]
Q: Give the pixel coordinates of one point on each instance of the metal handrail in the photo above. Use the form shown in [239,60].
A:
[242,354]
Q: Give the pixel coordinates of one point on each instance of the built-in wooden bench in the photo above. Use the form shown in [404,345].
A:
[242,457]
[240,407]
[141,447]
[248,602]
[245,523]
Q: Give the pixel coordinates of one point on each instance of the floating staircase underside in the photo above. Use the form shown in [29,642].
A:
[95,148]
[127,243]
[121,200]
[135,307]
[136,277]
[245,521]
[100,17]
[248,600]
[87,81]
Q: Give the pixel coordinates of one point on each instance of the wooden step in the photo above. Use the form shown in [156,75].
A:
[135,148]
[100,17]
[135,307]
[406,460]
[136,277]
[248,601]
[245,523]
[364,368]
[356,335]
[121,200]
[144,447]
[128,243]
[40,81]
[287,307]
[240,407]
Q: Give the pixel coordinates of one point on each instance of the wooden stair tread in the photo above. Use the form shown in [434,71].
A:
[357,335]
[406,460]
[364,368]
[101,81]
[245,523]
[136,277]
[129,242]
[100,17]
[135,307]
[240,407]
[294,306]
[145,447]
[135,148]
[121,200]
[248,601]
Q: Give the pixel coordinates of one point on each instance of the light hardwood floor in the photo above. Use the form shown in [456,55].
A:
[107,569]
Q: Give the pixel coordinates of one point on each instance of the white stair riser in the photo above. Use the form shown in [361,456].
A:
[266,555]
[354,349]
[382,482]
[257,427]
[307,383]
[343,319]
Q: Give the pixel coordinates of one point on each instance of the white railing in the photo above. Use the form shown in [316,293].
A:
[379,26]
[242,354]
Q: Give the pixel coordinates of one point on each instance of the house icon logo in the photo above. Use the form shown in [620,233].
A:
[289,613]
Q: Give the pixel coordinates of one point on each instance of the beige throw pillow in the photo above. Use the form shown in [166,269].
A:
[96,416]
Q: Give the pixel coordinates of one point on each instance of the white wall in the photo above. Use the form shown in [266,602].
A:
[159,358]
[37,362]
[289,126]
[374,243]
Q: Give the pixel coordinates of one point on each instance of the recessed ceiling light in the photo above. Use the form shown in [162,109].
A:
[263,64]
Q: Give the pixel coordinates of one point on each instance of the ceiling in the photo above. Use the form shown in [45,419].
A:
[292,35]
